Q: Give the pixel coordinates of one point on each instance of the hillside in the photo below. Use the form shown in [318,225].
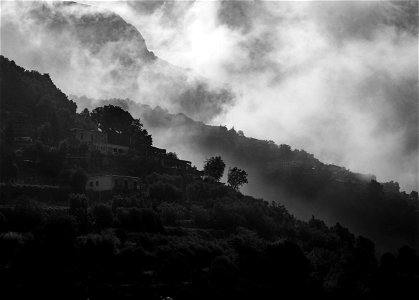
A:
[177,234]
[31,103]
[292,177]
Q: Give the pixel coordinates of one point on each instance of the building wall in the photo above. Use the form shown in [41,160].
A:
[99,183]
[126,183]
[102,148]
[112,182]
[117,149]
[99,141]
[91,136]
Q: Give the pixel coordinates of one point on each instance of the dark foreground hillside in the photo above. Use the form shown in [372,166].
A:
[179,233]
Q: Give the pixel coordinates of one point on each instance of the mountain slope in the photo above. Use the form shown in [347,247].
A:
[294,178]
[30,102]
[116,63]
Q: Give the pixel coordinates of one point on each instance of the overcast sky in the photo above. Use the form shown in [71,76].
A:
[338,79]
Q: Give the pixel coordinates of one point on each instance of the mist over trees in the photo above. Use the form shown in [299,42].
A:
[306,185]
[180,235]
[105,56]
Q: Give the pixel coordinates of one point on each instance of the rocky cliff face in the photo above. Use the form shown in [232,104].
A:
[94,29]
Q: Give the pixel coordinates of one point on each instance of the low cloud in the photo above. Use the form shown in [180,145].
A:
[89,50]
[338,79]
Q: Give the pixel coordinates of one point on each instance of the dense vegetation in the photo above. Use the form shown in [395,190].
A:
[31,103]
[182,236]
[306,185]
[202,240]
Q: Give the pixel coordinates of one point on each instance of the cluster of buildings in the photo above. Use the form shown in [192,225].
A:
[343,175]
[97,140]
[337,173]
[117,144]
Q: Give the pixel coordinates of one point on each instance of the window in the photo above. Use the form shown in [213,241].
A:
[115,150]
[81,135]
[91,183]
[97,183]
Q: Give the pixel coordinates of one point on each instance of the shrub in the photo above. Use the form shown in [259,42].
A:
[3,222]
[10,242]
[60,234]
[226,217]
[78,202]
[78,181]
[164,192]
[201,216]
[165,178]
[137,219]
[222,272]
[132,201]
[171,213]
[286,263]
[78,207]
[102,215]
[97,248]
[27,215]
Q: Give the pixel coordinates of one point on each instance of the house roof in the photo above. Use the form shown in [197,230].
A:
[114,175]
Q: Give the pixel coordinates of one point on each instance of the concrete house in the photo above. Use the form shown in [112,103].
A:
[99,141]
[113,183]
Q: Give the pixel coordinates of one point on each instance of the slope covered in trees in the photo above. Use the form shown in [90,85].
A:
[180,236]
[30,103]
[290,176]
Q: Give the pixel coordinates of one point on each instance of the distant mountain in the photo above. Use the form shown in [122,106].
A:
[94,29]
[78,43]
[294,178]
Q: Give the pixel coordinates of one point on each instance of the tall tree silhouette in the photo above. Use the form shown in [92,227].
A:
[214,167]
[236,178]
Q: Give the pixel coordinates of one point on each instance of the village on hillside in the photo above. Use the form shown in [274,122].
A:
[104,177]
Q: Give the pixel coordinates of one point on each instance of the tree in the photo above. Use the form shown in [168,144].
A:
[9,134]
[414,196]
[116,121]
[172,155]
[8,170]
[236,178]
[164,192]
[214,167]
[27,214]
[78,204]
[84,120]
[103,215]
[78,181]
